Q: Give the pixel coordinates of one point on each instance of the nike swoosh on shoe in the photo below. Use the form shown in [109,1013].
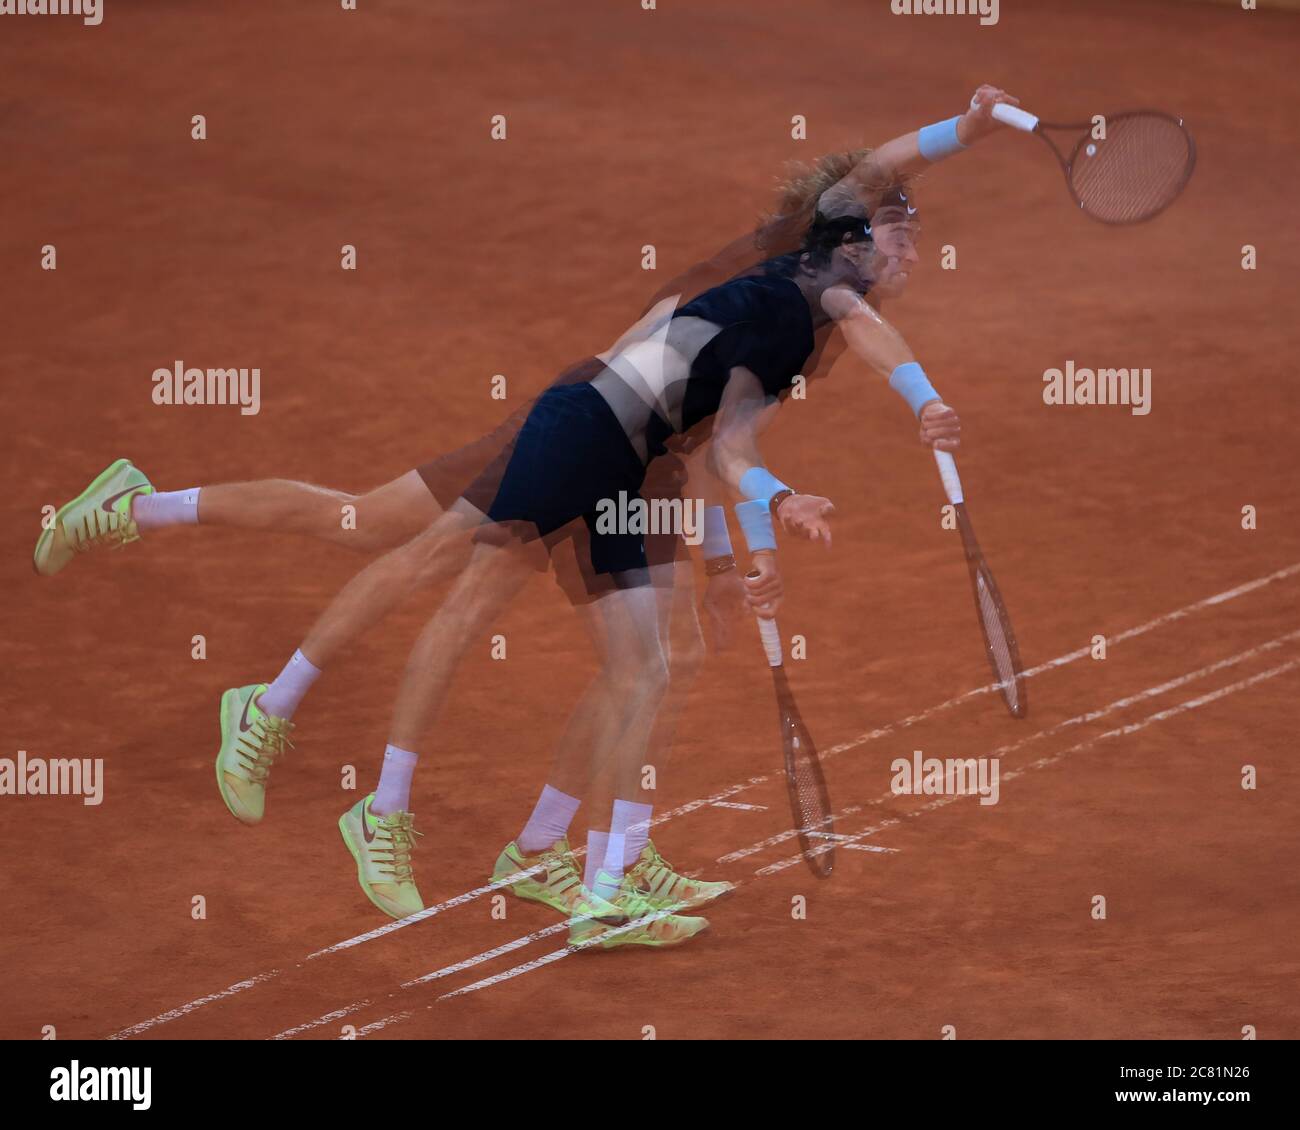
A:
[244,724]
[107,504]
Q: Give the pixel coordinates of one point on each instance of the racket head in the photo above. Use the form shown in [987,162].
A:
[810,802]
[1133,174]
[995,623]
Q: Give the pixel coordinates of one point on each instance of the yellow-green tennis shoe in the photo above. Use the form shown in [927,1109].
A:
[654,880]
[646,925]
[99,516]
[381,846]
[252,741]
[554,882]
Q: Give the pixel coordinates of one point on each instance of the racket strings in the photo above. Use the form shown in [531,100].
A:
[814,810]
[1135,171]
[1002,653]
[810,802]
[813,816]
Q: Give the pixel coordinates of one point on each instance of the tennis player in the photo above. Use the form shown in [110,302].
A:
[716,365]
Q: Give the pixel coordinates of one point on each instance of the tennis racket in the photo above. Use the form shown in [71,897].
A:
[809,801]
[999,639]
[1132,174]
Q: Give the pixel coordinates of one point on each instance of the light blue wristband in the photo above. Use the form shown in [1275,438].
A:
[717,541]
[911,383]
[755,518]
[939,140]
[759,482]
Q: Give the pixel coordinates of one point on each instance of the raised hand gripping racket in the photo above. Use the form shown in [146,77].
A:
[809,801]
[999,639]
[1131,175]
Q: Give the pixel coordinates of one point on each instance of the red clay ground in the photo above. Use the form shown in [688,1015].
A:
[666,127]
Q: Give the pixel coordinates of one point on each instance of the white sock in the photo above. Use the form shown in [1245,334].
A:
[165,508]
[282,697]
[632,821]
[597,845]
[394,791]
[552,815]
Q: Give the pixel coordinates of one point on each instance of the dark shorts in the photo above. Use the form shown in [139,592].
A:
[541,475]
[570,457]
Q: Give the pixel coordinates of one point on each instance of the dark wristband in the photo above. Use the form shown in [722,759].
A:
[715,565]
[775,501]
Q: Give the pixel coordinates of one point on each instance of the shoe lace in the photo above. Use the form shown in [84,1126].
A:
[656,860]
[401,833]
[650,865]
[659,915]
[271,741]
[556,863]
[99,529]
[561,865]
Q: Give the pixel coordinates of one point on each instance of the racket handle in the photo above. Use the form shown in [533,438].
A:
[948,473]
[771,641]
[1015,116]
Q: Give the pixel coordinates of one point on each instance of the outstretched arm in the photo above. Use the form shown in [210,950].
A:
[919,149]
[881,346]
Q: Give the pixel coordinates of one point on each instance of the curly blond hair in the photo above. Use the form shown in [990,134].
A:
[806,186]
[798,193]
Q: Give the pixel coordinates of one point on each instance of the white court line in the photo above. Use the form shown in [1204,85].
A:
[1077,720]
[186,1009]
[446,971]
[401,923]
[370,935]
[1052,758]
[487,955]
[742,807]
[337,1014]
[548,959]
[940,802]
[1069,657]
[510,880]
[375,1027]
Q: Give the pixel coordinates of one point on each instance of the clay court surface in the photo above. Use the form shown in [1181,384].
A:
[478,258]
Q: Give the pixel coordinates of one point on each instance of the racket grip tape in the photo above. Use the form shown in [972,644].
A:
[948,473]
[1014,116]
[771,637]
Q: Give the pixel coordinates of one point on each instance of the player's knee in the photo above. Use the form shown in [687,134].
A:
[371,527]
[640,675]
[372,537]
[346,512]
[436,555]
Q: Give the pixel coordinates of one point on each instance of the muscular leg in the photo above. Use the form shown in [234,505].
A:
[626,696]
[680,625]
[583,764]
[492,577]
[426,559]
[595,722]
[637,676]
[645,724]
[386,516]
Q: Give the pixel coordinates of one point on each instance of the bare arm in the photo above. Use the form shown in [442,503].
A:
[900,156]
[866,332]
[881,346]
[744,410]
